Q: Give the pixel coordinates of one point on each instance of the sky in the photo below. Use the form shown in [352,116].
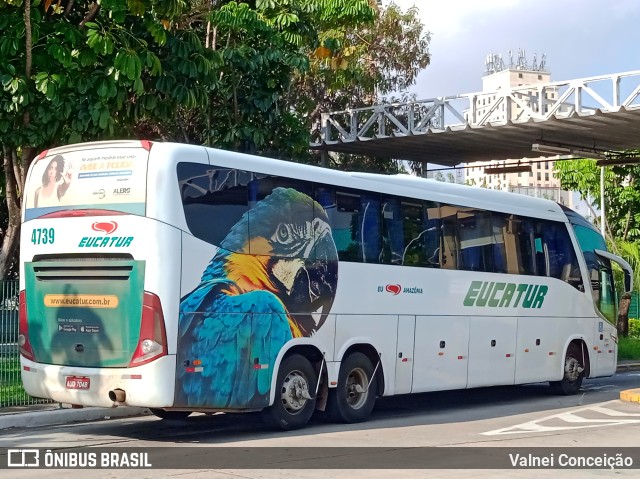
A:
[581,38]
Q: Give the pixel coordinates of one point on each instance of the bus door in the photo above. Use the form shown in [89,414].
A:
[604,295]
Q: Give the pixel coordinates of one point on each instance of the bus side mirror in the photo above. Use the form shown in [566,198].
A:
[628,281]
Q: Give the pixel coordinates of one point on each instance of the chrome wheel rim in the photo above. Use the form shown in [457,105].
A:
[357,388]
[294,392]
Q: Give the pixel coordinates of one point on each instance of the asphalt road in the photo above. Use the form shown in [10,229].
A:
[502,417]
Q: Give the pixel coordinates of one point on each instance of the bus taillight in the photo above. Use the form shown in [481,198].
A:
[152,342]
[23,329]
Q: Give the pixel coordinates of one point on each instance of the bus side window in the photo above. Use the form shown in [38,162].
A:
[214,199]
[392,231]
[325,196]
[520,246]
[369,231]
[560,259]
[476,240]
[432,234]
[356,226]
[345,213]
[498,237]
[449,248]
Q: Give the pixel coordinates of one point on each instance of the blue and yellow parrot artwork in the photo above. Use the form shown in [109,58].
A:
[273,278]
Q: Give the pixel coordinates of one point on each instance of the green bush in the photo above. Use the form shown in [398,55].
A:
[634,328]
[629,349]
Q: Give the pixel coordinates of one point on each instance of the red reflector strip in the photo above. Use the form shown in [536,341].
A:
[440,353]
[551,353]
[460,357]
[28,369]
[192,370]
[260,366]
[131,376]
[404,360]
[81,213]
[508,355]
[526,350]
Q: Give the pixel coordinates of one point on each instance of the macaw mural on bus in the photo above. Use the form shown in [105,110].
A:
[273,278]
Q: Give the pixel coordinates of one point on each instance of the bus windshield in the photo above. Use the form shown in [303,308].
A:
[599,269]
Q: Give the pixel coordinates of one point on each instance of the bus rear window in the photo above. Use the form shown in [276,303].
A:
[111,179]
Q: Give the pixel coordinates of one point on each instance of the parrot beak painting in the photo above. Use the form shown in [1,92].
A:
[273,278]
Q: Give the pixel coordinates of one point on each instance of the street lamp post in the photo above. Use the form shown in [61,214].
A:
[602,224]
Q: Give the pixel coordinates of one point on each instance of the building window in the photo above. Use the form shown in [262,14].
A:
[519,174]
[546,177]
[539,176]
[546,165]
[519,75]
[539,77]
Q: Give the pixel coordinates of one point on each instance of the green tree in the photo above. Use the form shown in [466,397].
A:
[83,70]
[359,67]
[622,194]
[198,71]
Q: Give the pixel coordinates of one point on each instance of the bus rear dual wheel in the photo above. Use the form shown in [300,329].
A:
[295,400]
[354,397]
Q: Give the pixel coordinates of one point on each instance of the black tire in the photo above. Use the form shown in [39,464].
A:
[295,398]
[346,404]
[574,371]
[170,415]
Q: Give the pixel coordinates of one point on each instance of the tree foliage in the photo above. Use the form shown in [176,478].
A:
[250,76]
[358,67]
[622,194]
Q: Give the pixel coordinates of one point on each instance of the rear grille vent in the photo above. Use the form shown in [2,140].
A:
[73,267]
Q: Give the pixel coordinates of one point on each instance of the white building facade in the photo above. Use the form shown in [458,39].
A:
[539,180]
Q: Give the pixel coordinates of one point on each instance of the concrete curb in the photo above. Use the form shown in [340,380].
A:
[624,367]
[52,417]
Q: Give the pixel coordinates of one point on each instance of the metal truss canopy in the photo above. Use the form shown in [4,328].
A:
[599,114]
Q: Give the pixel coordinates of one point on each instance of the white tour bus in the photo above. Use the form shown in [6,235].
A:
[183,278]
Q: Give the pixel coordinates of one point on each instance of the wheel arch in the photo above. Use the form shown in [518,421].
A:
[374,356]
[308,350]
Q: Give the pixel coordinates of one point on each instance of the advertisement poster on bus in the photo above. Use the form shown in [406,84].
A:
[111,179]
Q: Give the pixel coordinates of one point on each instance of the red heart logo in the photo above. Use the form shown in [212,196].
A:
[106,227]
[394,288]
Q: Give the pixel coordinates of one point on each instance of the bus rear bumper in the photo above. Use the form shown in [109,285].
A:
[150,385]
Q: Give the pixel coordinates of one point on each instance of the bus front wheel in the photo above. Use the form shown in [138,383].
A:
[354,397]
[295,398]
[170,415]
[574,370]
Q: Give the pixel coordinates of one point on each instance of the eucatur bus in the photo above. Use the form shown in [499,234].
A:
[183,278]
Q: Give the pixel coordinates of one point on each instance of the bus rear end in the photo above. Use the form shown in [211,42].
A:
[92,318]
